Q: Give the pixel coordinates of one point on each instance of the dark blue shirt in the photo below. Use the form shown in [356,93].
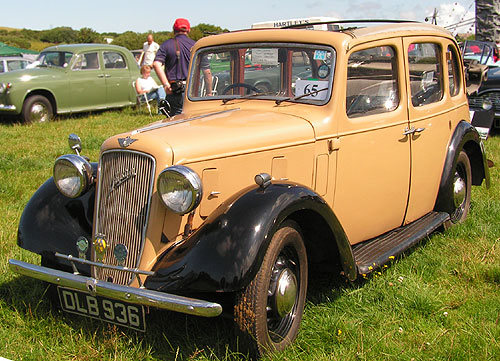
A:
[175,70]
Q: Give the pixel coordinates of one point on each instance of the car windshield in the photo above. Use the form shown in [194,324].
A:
[54,58]
[279,72]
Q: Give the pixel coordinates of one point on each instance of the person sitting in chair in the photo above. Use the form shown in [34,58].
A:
[145,84]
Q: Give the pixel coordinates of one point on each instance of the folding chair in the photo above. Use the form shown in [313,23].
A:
[142,99]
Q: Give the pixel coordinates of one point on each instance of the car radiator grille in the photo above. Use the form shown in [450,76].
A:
[477,101]
[124,196]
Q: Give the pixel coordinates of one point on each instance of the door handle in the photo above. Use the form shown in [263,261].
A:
[412,130]
[100,76]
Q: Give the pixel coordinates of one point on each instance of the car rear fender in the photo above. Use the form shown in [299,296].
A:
[467,138]
[226,252]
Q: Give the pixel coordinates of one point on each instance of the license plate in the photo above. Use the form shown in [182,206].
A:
[101,308]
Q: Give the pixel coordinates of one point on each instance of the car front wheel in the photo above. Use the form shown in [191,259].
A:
[461,184]
[37,109]
[269,310]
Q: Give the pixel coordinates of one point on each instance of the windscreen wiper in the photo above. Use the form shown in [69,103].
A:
[248,96]
[279,101]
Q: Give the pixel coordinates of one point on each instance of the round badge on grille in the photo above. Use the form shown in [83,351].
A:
[100,246]
[82,245]
[120,252]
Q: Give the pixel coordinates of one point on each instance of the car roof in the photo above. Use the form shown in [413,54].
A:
[349,34]
[75,48]
[15,58]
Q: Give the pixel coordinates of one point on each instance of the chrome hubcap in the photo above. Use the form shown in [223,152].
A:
[39,113]
[459,190]
[286,292]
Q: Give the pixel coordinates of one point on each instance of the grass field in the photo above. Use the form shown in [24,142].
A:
[440,302]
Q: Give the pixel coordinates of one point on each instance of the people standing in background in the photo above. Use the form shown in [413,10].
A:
[149,50]
[172,63]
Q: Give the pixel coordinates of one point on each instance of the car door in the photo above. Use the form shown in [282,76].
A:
[87,82]
[373,168]
[118,83]
[435,104]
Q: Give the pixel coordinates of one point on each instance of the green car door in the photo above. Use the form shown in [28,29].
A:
[87,82]
[119,91]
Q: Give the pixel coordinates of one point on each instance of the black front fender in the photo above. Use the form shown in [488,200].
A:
[53,223]
[225,253]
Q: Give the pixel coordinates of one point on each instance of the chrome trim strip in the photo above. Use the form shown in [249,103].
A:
[72,259]
[167,124]
[139,296]
[7,107]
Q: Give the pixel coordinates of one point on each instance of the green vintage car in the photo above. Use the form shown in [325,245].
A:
[68,79]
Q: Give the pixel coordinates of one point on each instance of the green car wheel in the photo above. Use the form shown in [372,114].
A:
[37,109]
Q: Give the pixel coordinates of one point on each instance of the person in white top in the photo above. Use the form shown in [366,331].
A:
[145,84]
[149,50]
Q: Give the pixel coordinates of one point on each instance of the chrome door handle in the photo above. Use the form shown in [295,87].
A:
[409,131]
[412,130]
[100,76]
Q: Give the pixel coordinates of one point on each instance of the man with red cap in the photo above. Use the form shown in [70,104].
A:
[174,54]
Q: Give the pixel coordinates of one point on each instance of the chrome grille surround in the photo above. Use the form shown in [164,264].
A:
[476,101]
[125,187]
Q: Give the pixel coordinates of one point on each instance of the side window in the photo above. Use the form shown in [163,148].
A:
[87,61]
[372,83]
[425,73]
[114,60]
[16,64]
[2,70]
[453,73]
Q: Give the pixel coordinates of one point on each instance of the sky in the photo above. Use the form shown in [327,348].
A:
[120,16]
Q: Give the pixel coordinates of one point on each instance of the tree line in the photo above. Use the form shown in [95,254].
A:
[40,39]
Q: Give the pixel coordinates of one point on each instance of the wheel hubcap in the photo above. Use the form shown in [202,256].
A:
[459,190]
[286,292]
[39,113]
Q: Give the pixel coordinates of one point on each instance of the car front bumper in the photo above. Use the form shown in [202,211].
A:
[139,296]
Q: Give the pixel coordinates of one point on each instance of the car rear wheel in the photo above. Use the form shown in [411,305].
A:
[269,310]
[37,109]
[461,188]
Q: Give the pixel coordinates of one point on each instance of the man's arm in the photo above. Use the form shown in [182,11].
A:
[207,74]
[158,66]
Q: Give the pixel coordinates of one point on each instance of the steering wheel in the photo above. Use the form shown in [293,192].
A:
[240,85]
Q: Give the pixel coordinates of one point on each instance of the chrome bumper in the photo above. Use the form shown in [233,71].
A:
[10,108]
[139,296]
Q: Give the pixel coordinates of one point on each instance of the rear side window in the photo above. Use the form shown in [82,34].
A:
[426,77]
[453,73]
[372,83]
[113,60]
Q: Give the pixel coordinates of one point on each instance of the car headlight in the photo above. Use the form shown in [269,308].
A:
[487,104]
[179,189]
[72,175]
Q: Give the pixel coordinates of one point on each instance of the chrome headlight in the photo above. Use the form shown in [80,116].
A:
[179,189]
[72,175]
[487,104]
[4,87]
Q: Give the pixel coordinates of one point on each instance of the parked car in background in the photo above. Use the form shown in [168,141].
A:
[10,63]
[487,95]
[70,79]
[228,206]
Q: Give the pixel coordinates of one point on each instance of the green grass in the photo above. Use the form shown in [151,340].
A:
[440,302]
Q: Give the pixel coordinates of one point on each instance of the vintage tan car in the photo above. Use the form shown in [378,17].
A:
[361,147]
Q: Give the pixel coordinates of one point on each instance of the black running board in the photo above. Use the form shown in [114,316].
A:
[374,253]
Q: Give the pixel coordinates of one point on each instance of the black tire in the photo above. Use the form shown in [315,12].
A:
[270,320]
[37,109]
[461,188]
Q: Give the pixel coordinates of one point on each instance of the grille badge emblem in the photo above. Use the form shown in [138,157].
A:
[120,252]
[125,142]
[82,245]
[121,178]
[100,246]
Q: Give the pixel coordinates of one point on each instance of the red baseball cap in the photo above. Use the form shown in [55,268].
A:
[182,25]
